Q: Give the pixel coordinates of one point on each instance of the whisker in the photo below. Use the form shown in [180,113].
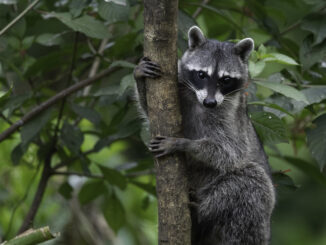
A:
[235,91]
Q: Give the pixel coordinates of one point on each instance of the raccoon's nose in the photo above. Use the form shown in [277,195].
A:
[209,102]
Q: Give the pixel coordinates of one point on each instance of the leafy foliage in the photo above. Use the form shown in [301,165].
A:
[94,140]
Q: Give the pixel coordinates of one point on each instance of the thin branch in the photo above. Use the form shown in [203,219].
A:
[21,201]
[46,173]
[53,100]
[69,80]
[65,163]
[21,15]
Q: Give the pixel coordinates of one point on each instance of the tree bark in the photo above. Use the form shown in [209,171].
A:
[160,45]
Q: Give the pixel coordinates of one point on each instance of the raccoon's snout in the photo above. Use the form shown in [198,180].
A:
[209,102]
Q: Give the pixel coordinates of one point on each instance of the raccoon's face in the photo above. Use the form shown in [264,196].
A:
[212,69]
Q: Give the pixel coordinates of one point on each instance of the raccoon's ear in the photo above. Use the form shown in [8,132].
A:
[195,37]
[244,47]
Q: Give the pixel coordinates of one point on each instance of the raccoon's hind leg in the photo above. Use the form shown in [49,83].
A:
[145,69]
[236,209]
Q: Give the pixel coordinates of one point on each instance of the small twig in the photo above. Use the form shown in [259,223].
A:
[199,9]
[21,15]
[21,201]
[65,163]
[53,100]
[29,218]
[69,80]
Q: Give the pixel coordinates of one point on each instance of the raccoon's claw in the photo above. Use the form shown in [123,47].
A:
[162,146]
[147,68]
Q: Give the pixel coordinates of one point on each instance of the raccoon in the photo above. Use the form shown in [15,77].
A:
[228,170]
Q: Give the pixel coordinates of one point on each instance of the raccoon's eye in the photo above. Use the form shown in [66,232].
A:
[227,79]
[202,75]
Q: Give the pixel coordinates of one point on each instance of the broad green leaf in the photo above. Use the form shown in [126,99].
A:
[285,90]
[121,2]
[85,24]
[72,137]
[113,12]
[280,58]
[27,42]
[17,153]
[316,24]
[91,190]
[310,54]
[86,112]
[66,190]
[32,128]
[48,39]
[316,138]
[127,82]
[114,177]
[308,168]
[8,2]
[270,105]
[122,63]
[76,7]
[256,68]
[114,212]
[283,182]
[315,94]
[271,129]
[149,188]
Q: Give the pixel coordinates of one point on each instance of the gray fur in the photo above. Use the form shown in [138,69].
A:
[228,170]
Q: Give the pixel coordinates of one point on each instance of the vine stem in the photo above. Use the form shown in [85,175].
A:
[21,15]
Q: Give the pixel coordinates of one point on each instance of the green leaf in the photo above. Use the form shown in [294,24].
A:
[310,54]
[17,154]
[27,42]
[113,12]
[316,138]
[270,105]
[91,190]
[48,39]
[280,58]
[76,7]
[271,129]
[66,190]
[72,137]
[122,63]
[283,181]
[127,82]
[88,113]
[149,188]
[315,94]
[114,177]
[121,2]
[285,90]
[85,24]
[316,24]
[307,168]
[114,212]
[8,2]
[33,127]
[256,68]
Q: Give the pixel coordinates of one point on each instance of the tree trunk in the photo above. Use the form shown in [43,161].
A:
[160,45]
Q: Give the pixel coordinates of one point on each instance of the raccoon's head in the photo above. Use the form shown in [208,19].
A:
[212,69]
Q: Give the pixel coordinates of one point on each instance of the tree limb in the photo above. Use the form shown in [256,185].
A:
[160,45]
[55,99]
[21,15]
[32,237]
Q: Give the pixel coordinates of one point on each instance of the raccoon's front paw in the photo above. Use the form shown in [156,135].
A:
[162,145]
[147,68]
